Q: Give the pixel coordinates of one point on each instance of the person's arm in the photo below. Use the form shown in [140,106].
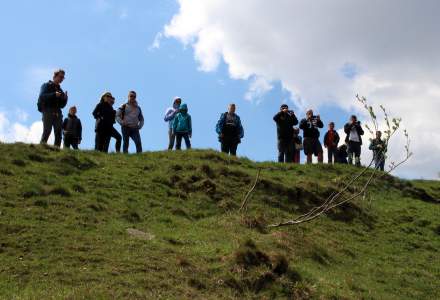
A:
[190,126]
[45,95]
[303,124]
[63,99]
[175,124]
[319,123]
[64,124]
[141,118]
[372,146]
[240,128]
[337,138]
[325,139]
[95,112]
[170,114]
[294,119]
[360,130]
[347,128]
[118,117]
[220,123]
[276,118]
[79,130]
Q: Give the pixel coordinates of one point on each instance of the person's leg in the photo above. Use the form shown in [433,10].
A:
[382,165]
[115,134]
[172,139]
[106,142]
[47,127]
[357,154]
[233,148]
[96,141]
[281,151]
[136,136]
[125,138]
[187,141]
[350,153]
[289,151]
[58,129]
[225,147]
[75,145]
[66,142]
[178,141]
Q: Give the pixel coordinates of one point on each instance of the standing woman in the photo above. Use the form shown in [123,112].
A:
[230,131]
[105,118]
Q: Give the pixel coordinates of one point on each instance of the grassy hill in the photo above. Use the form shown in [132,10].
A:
[164,225]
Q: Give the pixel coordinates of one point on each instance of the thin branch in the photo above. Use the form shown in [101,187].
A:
[249,193]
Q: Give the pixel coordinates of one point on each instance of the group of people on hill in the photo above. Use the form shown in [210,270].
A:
[53,99]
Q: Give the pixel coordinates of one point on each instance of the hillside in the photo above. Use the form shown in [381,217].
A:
[84,225]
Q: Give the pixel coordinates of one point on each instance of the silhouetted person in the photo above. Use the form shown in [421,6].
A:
[331,141]
[353,139]
[170,114]
[285,120]
[72,129]
[379,148]
[230,130]
[310,126]
[105,118]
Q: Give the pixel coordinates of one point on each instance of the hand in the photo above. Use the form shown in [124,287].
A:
[318,117]
[58,94]
[66,96]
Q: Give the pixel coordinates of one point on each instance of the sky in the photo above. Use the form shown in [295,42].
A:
[255,53]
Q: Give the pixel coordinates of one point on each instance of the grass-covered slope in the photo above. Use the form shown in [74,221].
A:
[84,225]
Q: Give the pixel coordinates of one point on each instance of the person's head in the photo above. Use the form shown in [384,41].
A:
[309,114]
[177,101]
[132,97]
[183,108]
[107,97]
[331,126]
[378,134]
[231,108]
[353,119]
[284,108]
[72,111]
[58,76]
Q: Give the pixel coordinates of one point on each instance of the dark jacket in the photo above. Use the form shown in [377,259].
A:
[105,117]
[341,154]
[285,123]
[379,148]
[48,101]
[334,143]
[310,127]
[232,131]
[349,126]
[72,127]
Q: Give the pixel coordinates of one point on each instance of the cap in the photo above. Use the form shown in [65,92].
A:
[284,106]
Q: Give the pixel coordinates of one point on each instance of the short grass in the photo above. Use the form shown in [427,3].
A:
[164,225]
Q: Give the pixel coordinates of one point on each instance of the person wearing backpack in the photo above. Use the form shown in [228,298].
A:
[182,127]
[230,131]
[130,117]
[51,101]
[285,119]
[72,130]
[353,139]
[105,118]
[331,141]
[170,114]
[379,148]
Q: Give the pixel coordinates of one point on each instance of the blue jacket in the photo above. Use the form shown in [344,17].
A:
[48,101]
[182,122]
[222,121]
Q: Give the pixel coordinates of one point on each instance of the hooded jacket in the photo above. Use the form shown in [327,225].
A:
[72,127]
[182,122]
[285,123]
[170,114]
[233,130]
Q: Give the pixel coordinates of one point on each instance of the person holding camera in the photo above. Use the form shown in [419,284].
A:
[285,120]
[230,131]
[310,126]
[170,114]
[379,148]
[51,101]
[353,139]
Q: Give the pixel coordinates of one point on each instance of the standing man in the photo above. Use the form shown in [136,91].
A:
[230,131]
[379,148]
[170,114]
[130,117]
[72,129]
[310,126]
[353,139]
[331,141]
[285,120]
[50,102]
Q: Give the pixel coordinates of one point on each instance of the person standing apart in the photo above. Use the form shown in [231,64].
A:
[310,126]
[182,127]
[170,114]
[353,139]
[105,118]
[130,117]
[51,101]
[230,131]
[72,129]
[285,120]
[379,148]
[331,141]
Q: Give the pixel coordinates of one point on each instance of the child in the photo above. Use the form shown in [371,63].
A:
[298,146]
[182,127]
[72,130]
[342,154]
[331,141]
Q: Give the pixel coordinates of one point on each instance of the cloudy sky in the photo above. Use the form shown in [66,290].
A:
[255,53]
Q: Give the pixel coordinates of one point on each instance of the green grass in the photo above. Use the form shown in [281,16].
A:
[64,218]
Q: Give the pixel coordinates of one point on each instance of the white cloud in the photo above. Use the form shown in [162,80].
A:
[325,52]
[17,132]
[257,89]
[156,43]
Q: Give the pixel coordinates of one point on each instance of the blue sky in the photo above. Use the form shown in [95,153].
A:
[106,45]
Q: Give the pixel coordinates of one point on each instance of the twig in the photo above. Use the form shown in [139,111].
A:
[249,193]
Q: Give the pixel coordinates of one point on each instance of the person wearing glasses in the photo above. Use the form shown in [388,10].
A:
[130,117]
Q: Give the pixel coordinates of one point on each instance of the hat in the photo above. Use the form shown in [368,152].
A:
[284,106]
